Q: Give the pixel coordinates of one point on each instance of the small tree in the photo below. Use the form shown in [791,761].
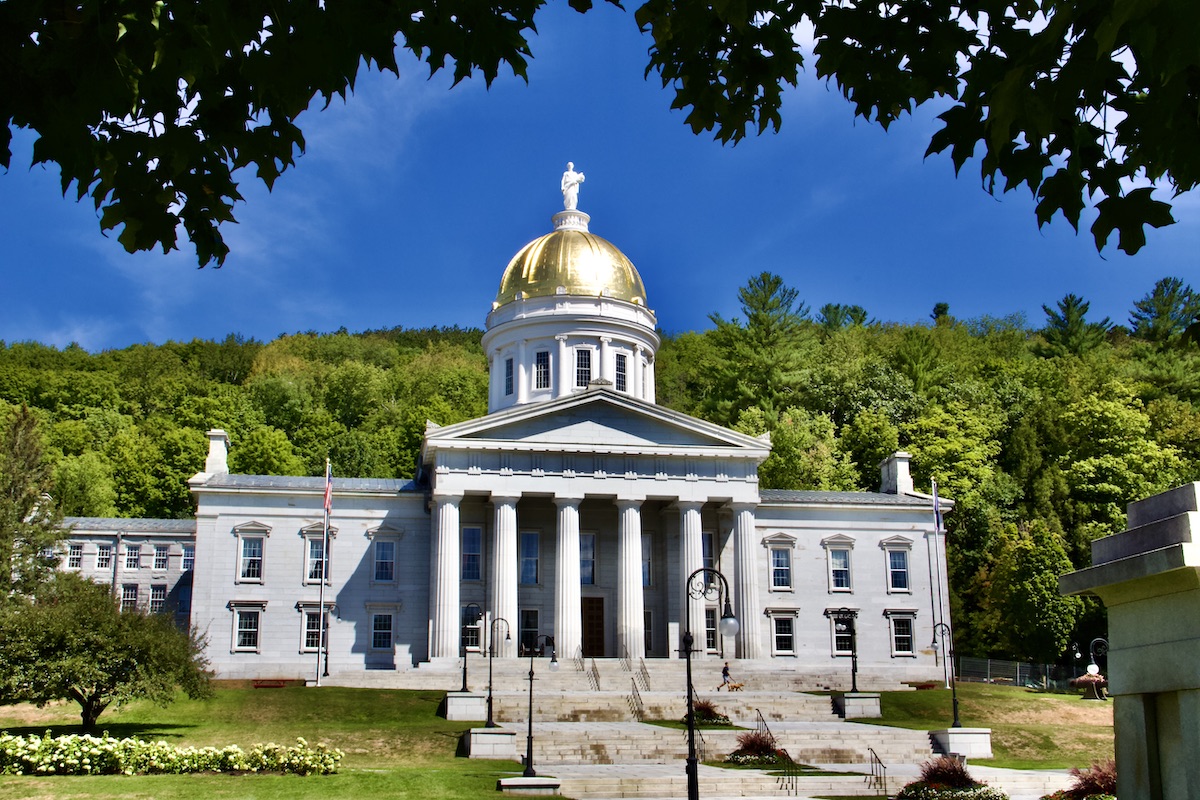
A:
[30,521]
[69,641]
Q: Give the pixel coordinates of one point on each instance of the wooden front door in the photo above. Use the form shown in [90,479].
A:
[593,627]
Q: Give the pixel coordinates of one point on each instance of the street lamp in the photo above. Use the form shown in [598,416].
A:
[698,586]
[472,613]
[844,624]
[549,640]
[945,629]
[491,723]
[1097,650]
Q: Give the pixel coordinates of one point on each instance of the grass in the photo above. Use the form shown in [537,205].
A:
[396,745]
[1030,730]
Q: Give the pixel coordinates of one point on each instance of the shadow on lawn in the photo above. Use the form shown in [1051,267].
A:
[117,730]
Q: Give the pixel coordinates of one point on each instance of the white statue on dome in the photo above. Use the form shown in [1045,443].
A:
[570,186]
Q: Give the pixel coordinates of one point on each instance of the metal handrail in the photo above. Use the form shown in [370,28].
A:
[635,702]
[594,677]
[578,659]
[643,675]
[626,666]
[761,727]
[878,777]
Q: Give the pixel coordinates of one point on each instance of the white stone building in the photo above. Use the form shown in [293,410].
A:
[576,509]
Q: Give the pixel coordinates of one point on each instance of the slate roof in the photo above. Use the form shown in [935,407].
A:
[312,484]
[130,525]
[842,498]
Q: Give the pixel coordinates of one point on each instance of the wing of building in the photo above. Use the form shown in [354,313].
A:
[576,509]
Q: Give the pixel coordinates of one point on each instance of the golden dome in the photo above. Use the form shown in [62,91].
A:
[579,262]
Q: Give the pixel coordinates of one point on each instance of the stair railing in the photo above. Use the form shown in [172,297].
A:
[594,677]
[643,675]
[789,776]
[626,666]
[878,777]
[578,658]
[635,702]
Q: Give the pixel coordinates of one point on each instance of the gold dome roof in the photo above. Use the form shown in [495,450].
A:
[580,262]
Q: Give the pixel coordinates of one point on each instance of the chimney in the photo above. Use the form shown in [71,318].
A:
[218,450]
[894,475]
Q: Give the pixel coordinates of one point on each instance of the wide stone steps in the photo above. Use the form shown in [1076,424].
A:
[671,781]
[632,743]
[588,706]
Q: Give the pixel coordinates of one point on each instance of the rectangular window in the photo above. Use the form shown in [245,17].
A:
[74,556]
[471,623]
[529,630]
[508,376]
[785,641]
[898,570]
[707,542]
[104,556]
[247,630]
[161,555]
[529,557]
[541,369]
[158,599]
[710,630]
[133,556]
[647,560]
[781,568]
[318,560]
[587,558]
[312,631]
[902,636]
[583,367]
[839,570]
[183,598]
[648,629]
[381,631]
[472,554]
[189,558]
[621,371]
[385,560]
[252,558]
[129,597]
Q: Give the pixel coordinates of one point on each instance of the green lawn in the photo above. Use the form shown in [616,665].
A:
[397,746]
[1030,730]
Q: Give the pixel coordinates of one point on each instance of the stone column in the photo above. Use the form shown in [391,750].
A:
[631,617]
[563,381]
[638,378]
[692,550]
[444,614]
[605,371]
[522,375]
[568,607]
[651,392]
[746,604]
[503,574]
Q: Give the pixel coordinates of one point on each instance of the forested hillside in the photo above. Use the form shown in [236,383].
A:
[1040,432]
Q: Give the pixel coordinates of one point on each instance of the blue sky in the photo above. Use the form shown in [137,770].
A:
[412,197]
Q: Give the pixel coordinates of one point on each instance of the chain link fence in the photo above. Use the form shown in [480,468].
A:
[1017,673]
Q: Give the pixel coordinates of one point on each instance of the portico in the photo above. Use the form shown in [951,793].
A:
[591,548]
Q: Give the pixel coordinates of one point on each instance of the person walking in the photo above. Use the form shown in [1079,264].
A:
[725,679]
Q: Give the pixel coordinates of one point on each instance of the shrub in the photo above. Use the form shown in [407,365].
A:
[104,755]
[707,713]
[757,748]
[1087,681]
[1099,782]
[947,778]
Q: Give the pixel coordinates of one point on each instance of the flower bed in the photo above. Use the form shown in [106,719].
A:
[104,755]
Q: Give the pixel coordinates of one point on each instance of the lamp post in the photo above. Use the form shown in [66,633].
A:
[1097,650]
[698,586]
[549,640]
[844,624]
[472,613]
[945,630]
[491,723]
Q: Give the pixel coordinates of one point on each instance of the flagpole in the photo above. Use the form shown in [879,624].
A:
[322,644]
[939,615]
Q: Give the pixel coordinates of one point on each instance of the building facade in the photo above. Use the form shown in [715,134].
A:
[576,509]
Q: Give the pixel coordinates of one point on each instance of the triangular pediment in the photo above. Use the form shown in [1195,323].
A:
[598,420]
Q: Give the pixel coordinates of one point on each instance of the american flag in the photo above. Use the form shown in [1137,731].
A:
[328,487]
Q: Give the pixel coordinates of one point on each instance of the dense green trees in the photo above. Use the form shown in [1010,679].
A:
[1038,435]
[29,516]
